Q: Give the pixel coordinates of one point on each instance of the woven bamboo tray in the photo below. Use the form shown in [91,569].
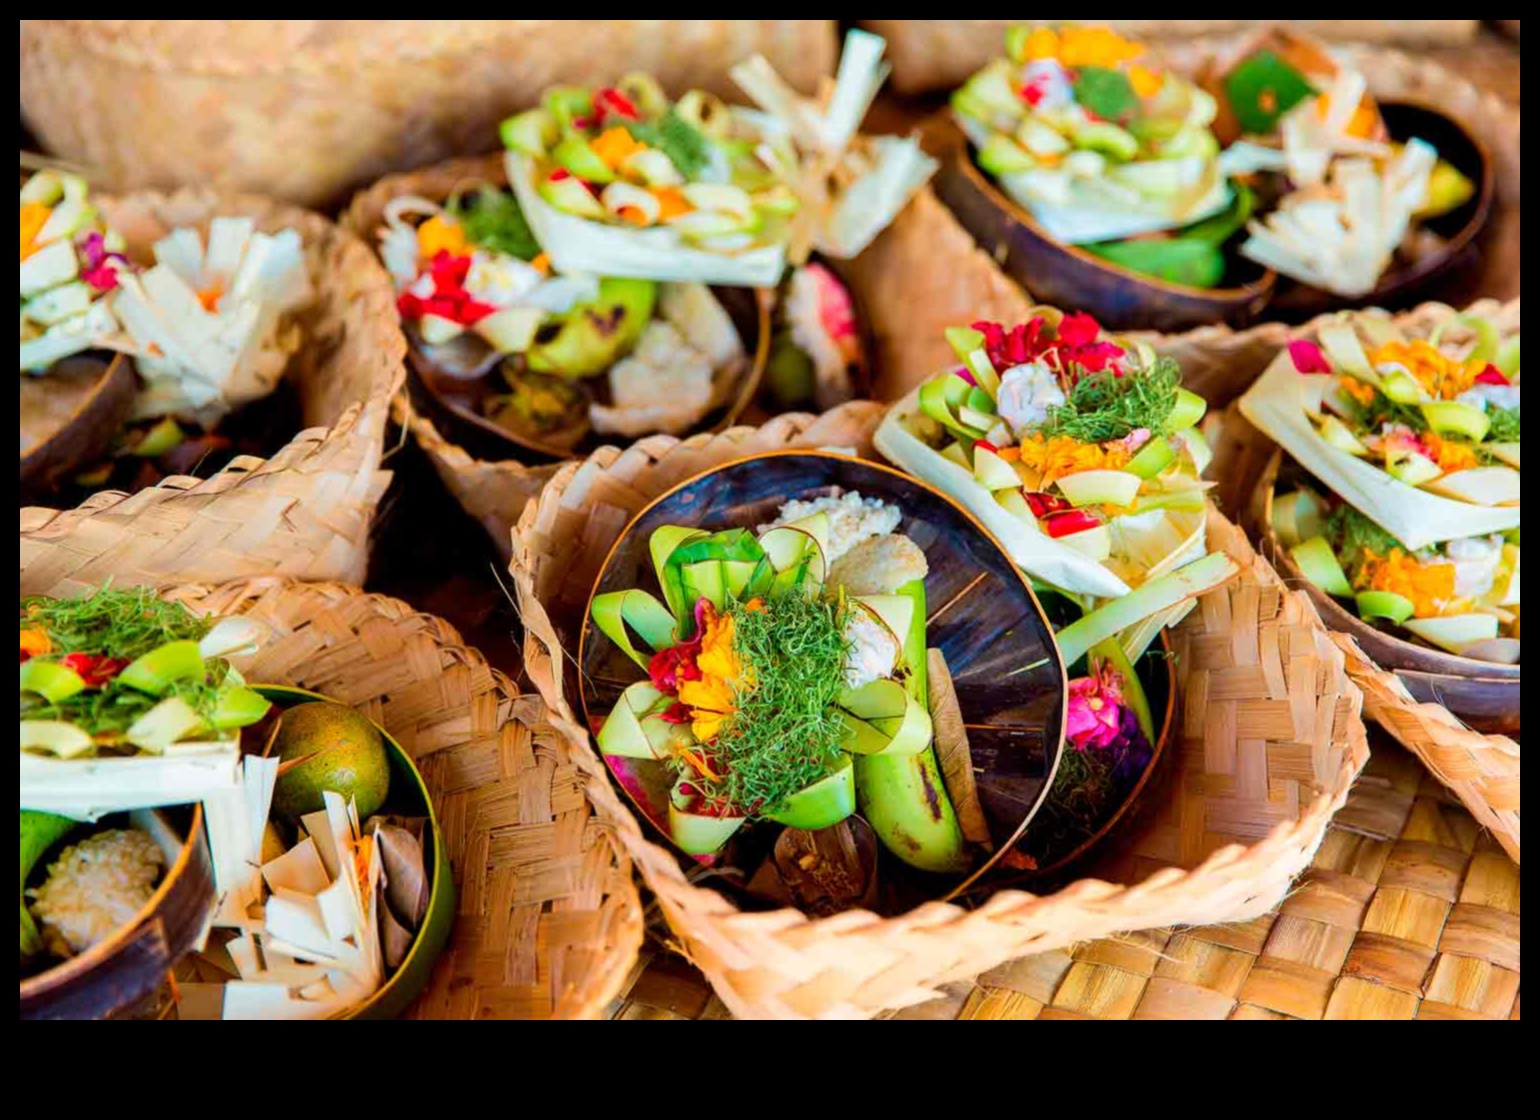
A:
[932,54]
[1407,911]
[307,109]
[925,273]
[1482,770]
[549,921]
[1270,741]
[307,511]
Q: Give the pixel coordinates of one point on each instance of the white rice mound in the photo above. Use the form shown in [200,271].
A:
[94,887]
[852,519]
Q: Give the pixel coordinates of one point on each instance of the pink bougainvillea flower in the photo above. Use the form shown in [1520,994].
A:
[1307,357]
[1095,710]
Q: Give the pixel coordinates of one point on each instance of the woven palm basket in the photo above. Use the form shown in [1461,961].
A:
[1270,742]
[929,54]
[925,273]
[307,511]
[549,921]
[1482,770]
[1407,911]
[307,109]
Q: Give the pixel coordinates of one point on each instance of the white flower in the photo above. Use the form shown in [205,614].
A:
[1027,393]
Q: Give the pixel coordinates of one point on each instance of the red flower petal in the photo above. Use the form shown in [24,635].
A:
[1491,375]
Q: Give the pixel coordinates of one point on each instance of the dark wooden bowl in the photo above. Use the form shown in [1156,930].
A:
[1484,694]
[1438,274]
[126,968]
[984,618]
[1068,276]
[70,416]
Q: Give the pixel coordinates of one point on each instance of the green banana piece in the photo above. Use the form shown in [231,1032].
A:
[39,832]
[904,798]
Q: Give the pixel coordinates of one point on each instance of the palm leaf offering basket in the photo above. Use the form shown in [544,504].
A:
[1415,693]
[1270,741]
[548,920]
[933,275]
[306,511]
[308,109]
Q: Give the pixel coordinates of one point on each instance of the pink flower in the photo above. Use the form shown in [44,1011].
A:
[1095,710]
[1307,357]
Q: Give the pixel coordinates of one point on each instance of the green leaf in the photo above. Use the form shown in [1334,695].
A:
[1107,93]
[493,220]
[1197,264]
[1263,88]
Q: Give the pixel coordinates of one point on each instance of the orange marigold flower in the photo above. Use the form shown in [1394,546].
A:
[1057,456]
[1429,586]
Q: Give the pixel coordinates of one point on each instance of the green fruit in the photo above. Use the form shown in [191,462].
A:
[593,336]
[326,746]
[39,832]
[904,797]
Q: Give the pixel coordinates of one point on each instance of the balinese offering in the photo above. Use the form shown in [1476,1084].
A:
[1273,161]
[1101,144]
[580,299]
[1347,197]
[777,664]
[1080,453]
[841,692]
[209,325]
[319,885]
[1406,459]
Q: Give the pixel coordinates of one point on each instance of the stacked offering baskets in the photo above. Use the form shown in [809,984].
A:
[1369,503]
[307,510]
[1259,677]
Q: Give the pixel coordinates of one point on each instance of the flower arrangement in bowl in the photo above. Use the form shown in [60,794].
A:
[1082,454]
[1395,497]
[823,680]
[638,264]
[162,795]
[1268,179]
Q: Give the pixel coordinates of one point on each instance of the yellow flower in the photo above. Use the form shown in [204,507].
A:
[615,145]
[1439,374]
[33,216]
[1042,43]
[1095,46]
[711,699]
[1430,587]
[1146,82]
[1057,456]
[35,642]
[1449,455]
[441,235]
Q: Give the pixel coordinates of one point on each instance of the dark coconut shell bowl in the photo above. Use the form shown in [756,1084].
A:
[69,416]
[1121,299]
[1485,694]
[982,616]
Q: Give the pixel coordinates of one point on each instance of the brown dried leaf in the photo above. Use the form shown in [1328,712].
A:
[952,751]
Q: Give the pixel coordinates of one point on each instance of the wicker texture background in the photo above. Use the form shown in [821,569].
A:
[307,109]
[549,921]
[307,511]
[932,54]
[1270,742]
[1407,911]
